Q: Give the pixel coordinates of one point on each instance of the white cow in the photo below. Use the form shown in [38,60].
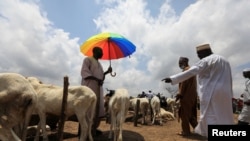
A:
[155,105]
[81,102]
[118,108]
[17,101]
[173,105]
[167,115]
[143,107]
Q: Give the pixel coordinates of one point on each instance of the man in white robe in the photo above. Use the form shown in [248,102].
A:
[215,84]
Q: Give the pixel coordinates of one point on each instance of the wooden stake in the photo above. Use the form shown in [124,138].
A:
[64,106]
[137,108]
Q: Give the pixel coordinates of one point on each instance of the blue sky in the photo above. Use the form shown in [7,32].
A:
[41,38]
[76,17]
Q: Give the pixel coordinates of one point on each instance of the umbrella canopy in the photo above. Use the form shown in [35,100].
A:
[114,46]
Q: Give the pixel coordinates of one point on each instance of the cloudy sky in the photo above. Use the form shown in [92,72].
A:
[42,38]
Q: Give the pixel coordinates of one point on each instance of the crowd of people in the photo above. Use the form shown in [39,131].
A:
[213,73]
[215,85]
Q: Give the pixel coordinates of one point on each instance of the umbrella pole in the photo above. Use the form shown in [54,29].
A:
[114,74]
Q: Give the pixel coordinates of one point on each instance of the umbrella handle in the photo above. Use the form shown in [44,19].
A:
[113,75]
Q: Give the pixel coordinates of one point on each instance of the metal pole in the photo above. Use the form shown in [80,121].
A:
[114,74]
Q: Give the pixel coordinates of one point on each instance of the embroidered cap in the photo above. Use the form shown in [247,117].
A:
[203,47]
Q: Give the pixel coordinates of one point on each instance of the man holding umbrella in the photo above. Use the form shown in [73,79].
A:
[93,76]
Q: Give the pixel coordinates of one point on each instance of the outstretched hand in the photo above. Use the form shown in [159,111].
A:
[167,80]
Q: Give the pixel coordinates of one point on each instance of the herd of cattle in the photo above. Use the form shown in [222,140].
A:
[21,98]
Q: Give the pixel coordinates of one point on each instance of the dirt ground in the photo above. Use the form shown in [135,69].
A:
[166,132]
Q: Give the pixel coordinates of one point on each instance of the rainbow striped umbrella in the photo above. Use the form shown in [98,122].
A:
[114,46]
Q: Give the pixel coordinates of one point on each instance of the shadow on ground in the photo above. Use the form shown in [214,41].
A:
[54,136]
[195,136]
[127,136]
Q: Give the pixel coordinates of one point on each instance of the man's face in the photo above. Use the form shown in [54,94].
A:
[182,64]
[204,53]
[201,54]
[99,53]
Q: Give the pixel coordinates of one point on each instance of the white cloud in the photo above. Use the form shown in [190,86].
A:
[31,45]
[162,39]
